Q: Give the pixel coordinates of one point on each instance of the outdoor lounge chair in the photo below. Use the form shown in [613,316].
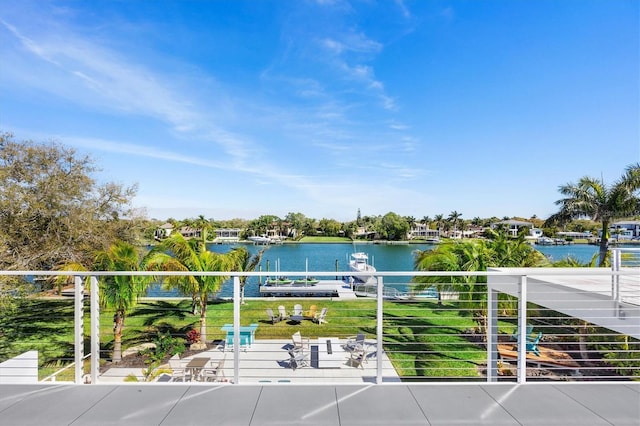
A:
[283,313]
[297,310]
[178,371]
[299,343]
[311,313]
[272,317]
[214,374]
[319,319]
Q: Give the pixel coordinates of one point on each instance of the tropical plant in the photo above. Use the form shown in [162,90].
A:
[603,203]
[178,254]
[246,262]
[120,292]
[474,255]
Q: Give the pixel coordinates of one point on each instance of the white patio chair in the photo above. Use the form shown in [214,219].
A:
[178,370]
[299,343]
[297,310]
[283,313]
[320,318]
[214,374]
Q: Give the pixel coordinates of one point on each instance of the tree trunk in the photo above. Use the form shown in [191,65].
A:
[203,320]
[118,326]
[242,294]
[604,243]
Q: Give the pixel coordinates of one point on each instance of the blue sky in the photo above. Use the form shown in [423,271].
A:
[242,108]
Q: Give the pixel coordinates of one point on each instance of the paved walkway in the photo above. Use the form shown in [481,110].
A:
[288,404]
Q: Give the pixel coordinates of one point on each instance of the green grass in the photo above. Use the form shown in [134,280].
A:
[422,339]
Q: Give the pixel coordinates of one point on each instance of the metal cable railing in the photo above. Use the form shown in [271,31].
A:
[572,326]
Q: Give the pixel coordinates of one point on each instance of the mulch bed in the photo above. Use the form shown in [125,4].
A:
[138,360]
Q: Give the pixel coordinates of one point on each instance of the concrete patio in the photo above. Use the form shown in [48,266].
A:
[267,361]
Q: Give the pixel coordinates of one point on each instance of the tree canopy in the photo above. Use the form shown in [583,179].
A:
[52,209]
[592,197]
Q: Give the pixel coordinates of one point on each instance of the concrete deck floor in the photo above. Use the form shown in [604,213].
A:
[289,404]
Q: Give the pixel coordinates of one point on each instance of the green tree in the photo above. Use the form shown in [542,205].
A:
[52,210]
[178,254]
[454,218]
[602,203]
[475,255]
[120,292]
[392,227]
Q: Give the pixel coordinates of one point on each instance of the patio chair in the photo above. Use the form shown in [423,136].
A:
[319,319]
[272,317]
[297,359]
[283,313]
[214,374]
[357,358]
[228,345]
[299,343]
[514,336]
[178,371]
[532,344]
[297,310]
[311,313]
[355,343]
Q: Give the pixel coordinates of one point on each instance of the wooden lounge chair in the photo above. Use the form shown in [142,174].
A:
[311,313]
[272,317]
[320,318]
[283,313]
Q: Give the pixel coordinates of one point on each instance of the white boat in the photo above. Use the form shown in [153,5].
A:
[360,263]
[261,239]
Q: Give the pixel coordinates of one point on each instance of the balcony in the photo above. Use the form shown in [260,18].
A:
[587,321]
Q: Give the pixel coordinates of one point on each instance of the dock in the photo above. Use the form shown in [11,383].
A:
[321,288]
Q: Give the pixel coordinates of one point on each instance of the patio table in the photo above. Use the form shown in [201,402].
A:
[196,365]
[247,333]
[330,353]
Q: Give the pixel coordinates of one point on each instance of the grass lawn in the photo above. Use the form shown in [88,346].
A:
[422,339]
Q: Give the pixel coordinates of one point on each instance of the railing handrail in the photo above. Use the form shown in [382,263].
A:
[544,271]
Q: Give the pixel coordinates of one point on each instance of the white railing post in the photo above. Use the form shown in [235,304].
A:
[95,330]
[78,328]
[236,329]
[522,331]
[379,330]
[492,334]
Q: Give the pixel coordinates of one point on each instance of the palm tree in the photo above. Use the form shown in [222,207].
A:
[438,219]
[603,203]
[246,262]
[477,255]
[120,292]
[178,254]
[453,217]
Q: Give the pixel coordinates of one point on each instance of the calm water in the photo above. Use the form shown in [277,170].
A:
[335,257]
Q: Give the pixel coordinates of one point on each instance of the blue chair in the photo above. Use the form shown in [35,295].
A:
[244,341]
[532,344]
[514,336]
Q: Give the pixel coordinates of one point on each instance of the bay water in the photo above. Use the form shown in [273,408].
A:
[306,258]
